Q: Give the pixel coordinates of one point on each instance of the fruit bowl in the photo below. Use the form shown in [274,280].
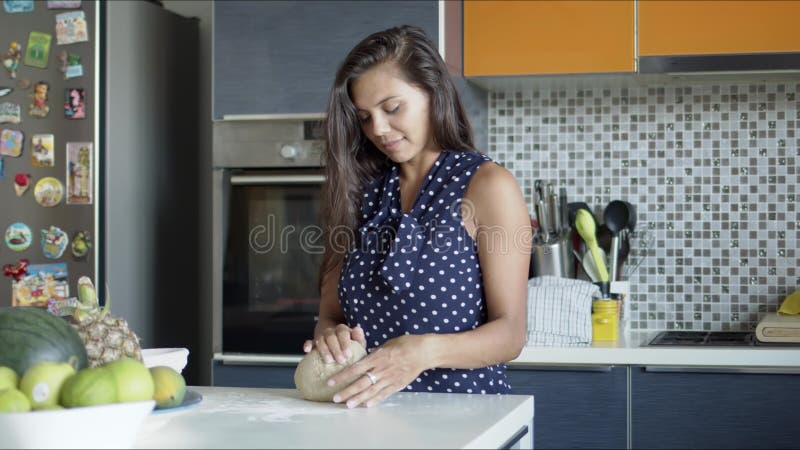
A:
[106,426]
[170,357]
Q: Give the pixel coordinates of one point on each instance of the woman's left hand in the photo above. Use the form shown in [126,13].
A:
[393,366]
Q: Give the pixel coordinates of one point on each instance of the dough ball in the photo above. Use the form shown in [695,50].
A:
[312,374]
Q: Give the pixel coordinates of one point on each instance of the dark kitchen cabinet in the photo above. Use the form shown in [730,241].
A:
[575,406]
[253,375]
[678,408]
[280,57]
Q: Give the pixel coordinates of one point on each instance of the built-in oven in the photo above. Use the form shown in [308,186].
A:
[268,237]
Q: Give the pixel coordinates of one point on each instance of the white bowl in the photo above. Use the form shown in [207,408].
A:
[170,357]
[106,426]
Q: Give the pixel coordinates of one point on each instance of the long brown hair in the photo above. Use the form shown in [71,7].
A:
[351,159]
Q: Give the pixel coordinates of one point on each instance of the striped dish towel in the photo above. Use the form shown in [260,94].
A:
[560,311]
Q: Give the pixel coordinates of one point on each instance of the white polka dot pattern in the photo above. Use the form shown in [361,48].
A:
[418,272]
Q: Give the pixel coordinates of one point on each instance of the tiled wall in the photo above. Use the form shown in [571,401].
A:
[711,168]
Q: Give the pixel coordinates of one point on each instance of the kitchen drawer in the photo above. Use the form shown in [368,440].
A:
[241,375]
[682,409]
[576,407]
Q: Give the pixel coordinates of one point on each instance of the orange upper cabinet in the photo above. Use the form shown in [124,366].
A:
[548,37]
[718,27]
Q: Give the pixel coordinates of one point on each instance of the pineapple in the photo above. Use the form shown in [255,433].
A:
[106,338]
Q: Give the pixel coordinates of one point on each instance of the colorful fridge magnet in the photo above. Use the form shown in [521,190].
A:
[18,6]
[38,49]
[48,192]
[23,83]
[71,28]
[79,173]
[5,91]
[75,106]
[11,142]
[22,181]
[11,59]
[2,169]
[42,150]
[43,283]
[81,244]
[54,242]
[64,4]
[9,113]
[39,107]
[71,65]
[16,271]
[18,237]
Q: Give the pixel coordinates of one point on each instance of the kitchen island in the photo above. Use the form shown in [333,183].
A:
[279,418]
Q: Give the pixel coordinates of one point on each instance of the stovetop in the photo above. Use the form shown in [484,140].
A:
[708,338]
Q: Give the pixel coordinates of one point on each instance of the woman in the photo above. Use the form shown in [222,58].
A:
[433,278]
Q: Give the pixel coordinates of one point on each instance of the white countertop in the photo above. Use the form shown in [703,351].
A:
[279,418]
[631,351]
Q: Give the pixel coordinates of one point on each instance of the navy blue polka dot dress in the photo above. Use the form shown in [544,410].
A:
[418,272]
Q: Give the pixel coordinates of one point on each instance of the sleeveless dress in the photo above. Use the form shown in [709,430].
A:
[418,272]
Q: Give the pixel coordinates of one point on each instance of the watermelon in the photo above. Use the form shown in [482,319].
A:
[32,335]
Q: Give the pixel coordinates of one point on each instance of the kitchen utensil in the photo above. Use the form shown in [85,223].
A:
[544,222]
[586,227]
[563,208]
[604,237]
[642,242]
[574,207]
[624,248]
[616,216]
[553,258]
[555,213]
[589,266]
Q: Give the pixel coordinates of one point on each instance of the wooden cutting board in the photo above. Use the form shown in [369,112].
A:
[779,328]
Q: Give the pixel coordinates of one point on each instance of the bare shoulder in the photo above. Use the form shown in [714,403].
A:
[492,190]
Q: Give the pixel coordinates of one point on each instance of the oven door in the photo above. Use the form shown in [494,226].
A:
[272,254]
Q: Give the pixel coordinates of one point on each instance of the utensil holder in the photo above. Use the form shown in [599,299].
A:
[553,258]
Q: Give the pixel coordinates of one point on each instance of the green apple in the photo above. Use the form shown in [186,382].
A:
[13,400]
[42,383]
[134,382]
[8,378]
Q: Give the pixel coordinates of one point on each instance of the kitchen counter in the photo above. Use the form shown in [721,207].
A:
[627,351]
[279,418]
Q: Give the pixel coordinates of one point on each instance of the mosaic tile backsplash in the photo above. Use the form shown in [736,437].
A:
[711,169]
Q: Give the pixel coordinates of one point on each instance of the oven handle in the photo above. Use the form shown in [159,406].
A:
[244,180]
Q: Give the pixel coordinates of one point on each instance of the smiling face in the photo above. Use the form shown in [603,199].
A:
[394,115]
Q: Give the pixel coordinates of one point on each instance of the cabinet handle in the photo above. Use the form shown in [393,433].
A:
[736,370]
[528,366]
[276,179]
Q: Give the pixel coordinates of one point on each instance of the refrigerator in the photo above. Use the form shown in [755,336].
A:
[51,169]
[140,82]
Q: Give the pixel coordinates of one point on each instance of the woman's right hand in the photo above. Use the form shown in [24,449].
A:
[333,344]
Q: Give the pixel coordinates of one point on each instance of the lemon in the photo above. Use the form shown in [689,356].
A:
[8,378]
[13,400]
[134,382]
[170,387]
[89,387]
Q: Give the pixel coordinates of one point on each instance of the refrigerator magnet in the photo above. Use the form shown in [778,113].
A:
[71,65]
[11,142]
[9,113]
[79,173]
[11,59]
[71,28]
[74,105]
[18,6]
[54,242]
[81,244]
[5,91]
[2,169]
[39,107]
[64,4]
[22,181]
[42,153]
[48,192]
[17,270]
[38,49]
[18,237]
